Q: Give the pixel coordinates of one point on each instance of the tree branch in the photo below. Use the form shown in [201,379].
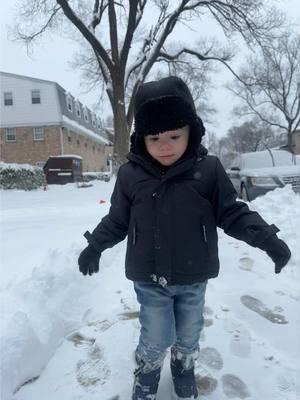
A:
[113,32]
[88,35]
[29,38]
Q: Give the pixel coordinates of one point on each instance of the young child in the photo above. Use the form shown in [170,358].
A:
[169,199]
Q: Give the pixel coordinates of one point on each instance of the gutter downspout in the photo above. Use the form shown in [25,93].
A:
[61,140]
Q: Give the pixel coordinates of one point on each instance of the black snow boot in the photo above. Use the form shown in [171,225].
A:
[183,376]
[145,383]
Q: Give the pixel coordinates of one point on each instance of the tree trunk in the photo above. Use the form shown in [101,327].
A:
[121,141]
[290,141]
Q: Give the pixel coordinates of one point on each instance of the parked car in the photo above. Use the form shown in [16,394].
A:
[254,174]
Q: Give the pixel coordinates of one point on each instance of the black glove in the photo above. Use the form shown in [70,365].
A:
[278,251]
[88,260]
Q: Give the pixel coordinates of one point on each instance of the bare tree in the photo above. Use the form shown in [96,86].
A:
[269,85]
[250,136]
[112,29]
[211,142]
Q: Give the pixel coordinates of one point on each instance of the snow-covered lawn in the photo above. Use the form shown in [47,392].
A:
[72,337]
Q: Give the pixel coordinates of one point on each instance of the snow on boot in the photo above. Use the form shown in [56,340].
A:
[145,384]
[182,369]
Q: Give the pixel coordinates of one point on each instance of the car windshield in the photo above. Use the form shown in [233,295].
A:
[263,159]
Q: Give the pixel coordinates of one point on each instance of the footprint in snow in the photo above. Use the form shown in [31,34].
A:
[81,340]
[246,263]
[207,311]
[100,326]
[129,315]
[211,357]
[208,322]
[258,306]
[287,384]
[234,387]
[206,384]
[240,341]
[93,371]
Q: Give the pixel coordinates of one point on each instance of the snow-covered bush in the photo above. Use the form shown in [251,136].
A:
[21,176]
[100,176]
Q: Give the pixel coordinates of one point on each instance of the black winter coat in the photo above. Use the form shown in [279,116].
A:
[171,220]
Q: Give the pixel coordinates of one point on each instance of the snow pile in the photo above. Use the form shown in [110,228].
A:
[282,208]
[37,313]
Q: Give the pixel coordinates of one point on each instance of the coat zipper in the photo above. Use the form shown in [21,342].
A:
[134,235]
[204,233]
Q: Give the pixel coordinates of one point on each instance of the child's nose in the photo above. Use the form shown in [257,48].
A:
[164,144]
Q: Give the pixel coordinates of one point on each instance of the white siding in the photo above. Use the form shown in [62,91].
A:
[23,112]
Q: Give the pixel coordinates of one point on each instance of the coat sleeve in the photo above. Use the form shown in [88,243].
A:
[113,227]
[235,217]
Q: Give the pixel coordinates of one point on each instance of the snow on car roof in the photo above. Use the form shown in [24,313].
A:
[263,159]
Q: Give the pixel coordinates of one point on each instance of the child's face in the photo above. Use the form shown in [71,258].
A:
[169,146]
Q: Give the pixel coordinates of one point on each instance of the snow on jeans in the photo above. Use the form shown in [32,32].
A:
[169,316]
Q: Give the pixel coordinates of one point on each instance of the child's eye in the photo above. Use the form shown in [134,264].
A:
[153,139]
[175,137]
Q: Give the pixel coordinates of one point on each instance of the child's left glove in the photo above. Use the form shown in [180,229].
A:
[278,251]
[89,258]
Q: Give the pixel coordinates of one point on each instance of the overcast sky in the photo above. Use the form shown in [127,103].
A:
[50,60]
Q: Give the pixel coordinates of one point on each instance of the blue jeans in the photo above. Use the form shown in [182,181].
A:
[169,316]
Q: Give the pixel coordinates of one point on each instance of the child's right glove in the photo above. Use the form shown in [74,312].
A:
[278,251]
[88,260]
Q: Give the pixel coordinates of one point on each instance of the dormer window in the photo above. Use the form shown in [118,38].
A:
[86,114]
[69,102]
[78,110]
[94,120]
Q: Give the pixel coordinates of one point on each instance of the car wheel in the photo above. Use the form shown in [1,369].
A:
[244,193]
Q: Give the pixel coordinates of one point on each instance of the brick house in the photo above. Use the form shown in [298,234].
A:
[39,118]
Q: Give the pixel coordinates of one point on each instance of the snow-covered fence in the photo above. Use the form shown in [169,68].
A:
[21,176]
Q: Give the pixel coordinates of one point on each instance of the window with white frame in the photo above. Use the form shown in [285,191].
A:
[8,99]
[69,102]
[38,133]
[11,135]
[35,97]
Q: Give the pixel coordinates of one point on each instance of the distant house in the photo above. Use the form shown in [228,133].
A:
[39,118]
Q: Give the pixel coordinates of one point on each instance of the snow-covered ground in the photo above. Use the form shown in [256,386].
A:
[69,337]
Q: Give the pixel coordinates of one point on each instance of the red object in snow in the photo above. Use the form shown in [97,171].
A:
[102,201]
